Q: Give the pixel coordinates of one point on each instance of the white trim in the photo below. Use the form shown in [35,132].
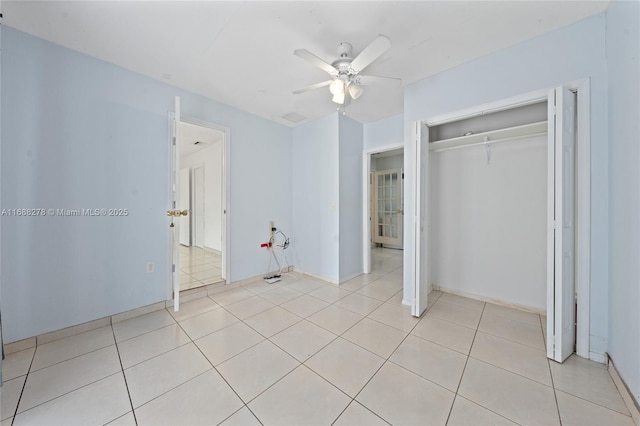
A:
[551,211]
[488,108]
[583,192]
[625,392]
[171,117]
[319,277]
[226,161]
[226,225]
[583,219]
[349,278]
[366,201]
[526,308]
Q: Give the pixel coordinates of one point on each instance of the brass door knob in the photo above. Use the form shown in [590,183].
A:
[177,213]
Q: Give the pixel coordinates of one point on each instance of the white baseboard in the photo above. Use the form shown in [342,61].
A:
[350,277]
[597,357]
[481,298]
[632,404]
[320,277]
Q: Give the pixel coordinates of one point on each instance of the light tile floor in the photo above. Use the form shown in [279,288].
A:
[199,267]
[302,352]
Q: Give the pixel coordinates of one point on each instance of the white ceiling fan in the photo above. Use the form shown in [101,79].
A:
[345,71]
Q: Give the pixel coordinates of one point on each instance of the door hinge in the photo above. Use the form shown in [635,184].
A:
[403,175]
[173,267]
[174,140]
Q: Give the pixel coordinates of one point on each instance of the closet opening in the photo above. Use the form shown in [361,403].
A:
[488,207]
[502,210]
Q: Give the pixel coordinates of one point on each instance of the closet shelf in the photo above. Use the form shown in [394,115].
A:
[493,136]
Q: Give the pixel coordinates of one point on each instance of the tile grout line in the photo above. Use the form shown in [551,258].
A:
[300,363]
[124,376]
[466,362]
[383,364]
[553,383]
[24,385]
[353,401]
[62,394]
[217,371]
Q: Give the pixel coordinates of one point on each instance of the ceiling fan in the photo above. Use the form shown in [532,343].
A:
[345,71]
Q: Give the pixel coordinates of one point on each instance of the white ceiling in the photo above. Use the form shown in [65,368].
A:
[241,52]
[195,138]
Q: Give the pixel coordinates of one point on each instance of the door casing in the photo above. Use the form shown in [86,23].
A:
[226,174]
[366,201]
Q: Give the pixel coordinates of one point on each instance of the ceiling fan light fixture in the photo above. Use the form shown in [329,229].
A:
[337,87]
[355,91]
[338,98]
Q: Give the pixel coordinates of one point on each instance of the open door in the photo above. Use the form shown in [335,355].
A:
[174,213]
[421,285]
[561,225]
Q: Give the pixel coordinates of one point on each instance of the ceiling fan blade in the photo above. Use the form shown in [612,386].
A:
[305,54]
[371,80]
[370,53]
[313,86]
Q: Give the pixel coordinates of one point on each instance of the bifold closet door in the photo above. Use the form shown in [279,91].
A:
[561,225]
[421,262]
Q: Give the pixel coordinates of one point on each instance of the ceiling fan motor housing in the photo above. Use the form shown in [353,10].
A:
[345,71]
[342,64]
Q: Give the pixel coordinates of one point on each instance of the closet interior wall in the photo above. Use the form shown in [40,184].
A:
[488,211]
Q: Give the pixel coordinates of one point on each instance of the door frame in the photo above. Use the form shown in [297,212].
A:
[226,185]
[196,199]
[582,264]
[366,201]
[375,210]
[186,171]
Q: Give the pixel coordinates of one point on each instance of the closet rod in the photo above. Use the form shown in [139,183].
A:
[489,142]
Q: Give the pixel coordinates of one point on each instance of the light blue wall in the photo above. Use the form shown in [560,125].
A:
[571,53]
[623,52]
[385,132]
[315,187]
[388,163]
[81,133]
[350,147]
[1,337]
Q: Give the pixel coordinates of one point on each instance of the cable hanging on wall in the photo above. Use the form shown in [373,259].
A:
[277,244]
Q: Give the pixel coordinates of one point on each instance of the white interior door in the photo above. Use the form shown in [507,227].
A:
[185,204]
[372,207]
[175,199]
[387,217]
[198,207]
[421,285]
[561,236]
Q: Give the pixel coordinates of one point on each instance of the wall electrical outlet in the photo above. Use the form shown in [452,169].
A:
[151,266]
